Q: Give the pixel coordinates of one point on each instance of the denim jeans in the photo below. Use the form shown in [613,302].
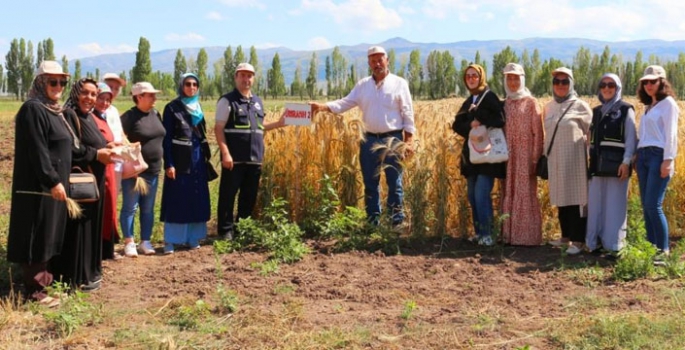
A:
[371,164]
[132,200]
[652,192]
[479,188]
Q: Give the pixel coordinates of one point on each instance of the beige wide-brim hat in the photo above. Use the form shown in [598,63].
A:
[143,87]
[114,76]
[51,67]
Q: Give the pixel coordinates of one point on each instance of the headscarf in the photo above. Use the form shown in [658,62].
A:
[72,101]
[39,91]
[102,89]
[607,105]
[192,103]
[483,79]
[571,91]
[521,92]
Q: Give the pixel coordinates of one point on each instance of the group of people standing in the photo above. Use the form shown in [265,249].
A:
[591,154]
[87,133]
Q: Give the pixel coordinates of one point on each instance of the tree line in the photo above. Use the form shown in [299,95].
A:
[435,77]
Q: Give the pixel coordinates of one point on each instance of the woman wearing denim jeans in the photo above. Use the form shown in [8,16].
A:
[483,107]
[656,152]
[142,123]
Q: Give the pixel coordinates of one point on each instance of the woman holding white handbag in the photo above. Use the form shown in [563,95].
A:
[482,108]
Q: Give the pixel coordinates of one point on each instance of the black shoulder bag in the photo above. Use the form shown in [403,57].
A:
[541,170]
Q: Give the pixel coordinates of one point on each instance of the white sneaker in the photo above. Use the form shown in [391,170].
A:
[486,241]
[130,250]
[146,248]
[559,242]
[573,250]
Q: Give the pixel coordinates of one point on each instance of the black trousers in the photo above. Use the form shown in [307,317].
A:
[573,226]
[243,178]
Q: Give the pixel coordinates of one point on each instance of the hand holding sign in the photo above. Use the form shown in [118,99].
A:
[298,114]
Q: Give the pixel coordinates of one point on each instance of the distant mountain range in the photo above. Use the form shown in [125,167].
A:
[563,49]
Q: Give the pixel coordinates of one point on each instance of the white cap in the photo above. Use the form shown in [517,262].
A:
[563,70]
[143,87]
[244,67]
[114,76]
[514,68]
[373,50]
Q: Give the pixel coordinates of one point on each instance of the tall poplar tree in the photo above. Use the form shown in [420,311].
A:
[228,71]
[180,66]
[143,66]
[275,79]
[311,77]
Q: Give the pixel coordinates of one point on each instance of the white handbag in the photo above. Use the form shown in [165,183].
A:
[487,145]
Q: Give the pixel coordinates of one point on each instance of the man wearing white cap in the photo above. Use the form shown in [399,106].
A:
[115,84]
[239,131]
[387,113]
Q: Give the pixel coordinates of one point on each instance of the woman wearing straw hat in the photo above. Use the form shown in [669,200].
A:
[42,161]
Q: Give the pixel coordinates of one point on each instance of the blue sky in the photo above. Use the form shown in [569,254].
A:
[87,28]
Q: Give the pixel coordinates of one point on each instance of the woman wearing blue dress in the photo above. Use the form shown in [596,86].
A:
[185,195]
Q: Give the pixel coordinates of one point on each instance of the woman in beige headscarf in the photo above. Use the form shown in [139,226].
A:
[567,159]
[523,226]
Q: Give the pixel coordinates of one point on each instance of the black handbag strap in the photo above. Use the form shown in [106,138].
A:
[551,142]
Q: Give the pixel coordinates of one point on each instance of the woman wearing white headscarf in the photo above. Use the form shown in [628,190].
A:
[613,140]
[524,135]
[567,159]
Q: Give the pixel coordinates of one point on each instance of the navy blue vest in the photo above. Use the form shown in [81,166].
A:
[607,132]
[244,130]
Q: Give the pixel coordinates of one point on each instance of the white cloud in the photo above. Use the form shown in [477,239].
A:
[189,37]
[264,46]
[442,9]
[318,43]
[244,3]
[406,10]
[214,16]
[94,49]
[364,15]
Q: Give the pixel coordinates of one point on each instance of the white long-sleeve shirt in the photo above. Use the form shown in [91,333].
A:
[385,107]
[659,127]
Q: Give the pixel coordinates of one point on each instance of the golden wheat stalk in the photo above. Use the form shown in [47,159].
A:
[141,186]
[73,208]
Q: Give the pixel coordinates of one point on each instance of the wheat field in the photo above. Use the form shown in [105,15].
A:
[435,192]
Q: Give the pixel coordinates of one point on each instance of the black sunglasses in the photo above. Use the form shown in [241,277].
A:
[54,82]
[609,85]
[650,81]
[190,83]
[556,81]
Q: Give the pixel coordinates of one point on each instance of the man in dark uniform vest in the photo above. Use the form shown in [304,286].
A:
[239,131]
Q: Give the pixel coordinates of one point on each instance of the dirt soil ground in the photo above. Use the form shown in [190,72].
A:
[466,297]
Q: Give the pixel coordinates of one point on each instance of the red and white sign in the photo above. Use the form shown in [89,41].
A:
[298,114]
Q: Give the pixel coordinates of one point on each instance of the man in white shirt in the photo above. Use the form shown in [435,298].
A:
[387,112]
[115,84]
